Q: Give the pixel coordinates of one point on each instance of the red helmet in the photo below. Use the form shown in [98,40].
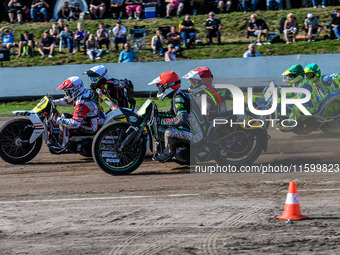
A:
[73,87]
[167,83]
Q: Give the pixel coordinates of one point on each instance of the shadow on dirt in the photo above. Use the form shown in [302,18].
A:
[85,161]
[324,218]
[177,170]
[315,136]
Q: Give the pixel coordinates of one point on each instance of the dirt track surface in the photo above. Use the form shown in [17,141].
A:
[64,204]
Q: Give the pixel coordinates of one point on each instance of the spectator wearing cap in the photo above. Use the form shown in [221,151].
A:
[119,34]
[251,52]
[7,36]
[170,55]
[15,9]
[335,24]
[39,6]
[46,45]
[117,8]
[127,55]
[26,45]
[213,27]
[312,27]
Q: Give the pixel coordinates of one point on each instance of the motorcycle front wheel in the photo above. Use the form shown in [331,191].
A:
[14,142]
[105,154]
[239,148]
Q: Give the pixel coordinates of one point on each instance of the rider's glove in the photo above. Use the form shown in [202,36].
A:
[132,102]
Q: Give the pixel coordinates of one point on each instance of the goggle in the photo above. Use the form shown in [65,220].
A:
[310,75]
[161,88]
[292,75]
[68,93]
[94,79]
[196,83]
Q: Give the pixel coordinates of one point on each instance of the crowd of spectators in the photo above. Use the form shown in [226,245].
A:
[61,35]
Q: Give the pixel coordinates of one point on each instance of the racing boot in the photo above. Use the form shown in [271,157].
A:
[56,147]
[61,145]
[163,157]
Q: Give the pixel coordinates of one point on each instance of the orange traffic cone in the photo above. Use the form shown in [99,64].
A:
[292,207]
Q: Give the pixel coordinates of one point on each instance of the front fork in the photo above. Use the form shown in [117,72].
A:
[137,135]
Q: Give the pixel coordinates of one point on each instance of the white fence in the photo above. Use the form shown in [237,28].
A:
[36,81]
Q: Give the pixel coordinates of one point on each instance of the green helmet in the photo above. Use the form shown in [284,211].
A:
[312,71]
[293,74]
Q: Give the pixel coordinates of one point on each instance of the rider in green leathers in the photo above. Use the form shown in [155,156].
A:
[295,76]
[324,84]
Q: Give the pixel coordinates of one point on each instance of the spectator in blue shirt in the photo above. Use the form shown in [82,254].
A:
[251,52]
[127,55]
[7,36]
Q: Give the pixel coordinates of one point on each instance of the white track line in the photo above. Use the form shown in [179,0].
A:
[303,190]
[95,198]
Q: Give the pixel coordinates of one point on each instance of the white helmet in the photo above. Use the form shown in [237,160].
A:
[98,76]
[198,77]
[73,88]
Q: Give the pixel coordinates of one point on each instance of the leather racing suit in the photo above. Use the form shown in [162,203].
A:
[86,116]
[176,121]
[325,84]
[117,93]
[312,105]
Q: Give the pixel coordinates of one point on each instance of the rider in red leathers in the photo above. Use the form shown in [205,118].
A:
[86,116]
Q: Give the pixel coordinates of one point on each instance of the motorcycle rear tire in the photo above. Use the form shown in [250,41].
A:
[301,131]
[328,129]
[251,153]
[181,161]
[22,152]
[116,129]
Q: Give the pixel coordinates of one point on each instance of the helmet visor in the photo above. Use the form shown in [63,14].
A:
[289,77]
[310,75]
[161,88]
[195,83]
[69,95]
